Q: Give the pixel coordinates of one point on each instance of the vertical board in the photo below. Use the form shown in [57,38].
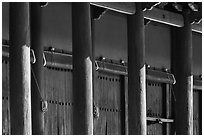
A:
[58,93]
[107,97]
[155,107]
[100,122]
[5,98]
[168,100]
[197,112]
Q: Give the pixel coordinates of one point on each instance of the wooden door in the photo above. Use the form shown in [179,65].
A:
[159,106]
[109,99]
[58,93]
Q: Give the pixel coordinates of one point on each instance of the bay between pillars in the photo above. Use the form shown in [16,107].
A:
[136,73]
[82,69]
[182,69]
[20,82]
[37,69]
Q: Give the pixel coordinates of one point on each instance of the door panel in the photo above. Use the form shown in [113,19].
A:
[155,107]
[108,99]
[58,93]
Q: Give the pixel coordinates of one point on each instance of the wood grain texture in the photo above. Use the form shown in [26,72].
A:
[155,129]
[156,107]
[37,69]
[197,113]
[100,123]
[46,97]
[82,69]
[20,84]
[182,69]
[58,93]
[136,73]
[107,97]
[5,98]
[155,100]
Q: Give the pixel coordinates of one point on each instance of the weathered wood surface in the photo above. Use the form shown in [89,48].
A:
[64,61]
[107,97]
[58,93]
[20,84]
[82,69]
[182,69]
[159,105]
[156,14]
[155,106]
[155,129]
[167,88]
[155,100]
[52,75]
[197,112]
[136,73]
[6,130]
[37,69]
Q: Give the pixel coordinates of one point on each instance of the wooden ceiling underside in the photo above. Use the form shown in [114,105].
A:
[164,12]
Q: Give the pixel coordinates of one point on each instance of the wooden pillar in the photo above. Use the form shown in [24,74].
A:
[82,69]
[20,83]
[37,70]
[136,73]
[182,69]
[93,50]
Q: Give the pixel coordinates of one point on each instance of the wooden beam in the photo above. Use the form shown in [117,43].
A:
[122,7]
[82,69]
[165,120]
[182,69]
[136,73]
[19,67]
[164,16]
[64,61]
[156,14]
[197,27]
[37,70]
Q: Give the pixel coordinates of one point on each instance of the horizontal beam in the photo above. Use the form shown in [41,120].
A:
[152,75]
[64,61]
[156,14]
[169,18]
[122,7]
[59,60]
[163,120]
[159,76]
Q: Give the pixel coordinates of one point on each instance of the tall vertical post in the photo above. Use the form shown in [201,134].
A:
[93,59]
[82,69]
[182,69]
[136,73]
[20,83]
[37,70]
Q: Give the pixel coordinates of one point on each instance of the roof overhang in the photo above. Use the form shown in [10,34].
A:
[155,14]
